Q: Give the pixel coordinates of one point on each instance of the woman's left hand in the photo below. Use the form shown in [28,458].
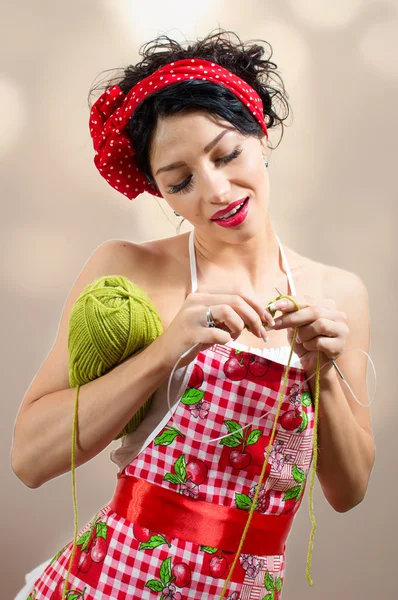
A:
[321,327]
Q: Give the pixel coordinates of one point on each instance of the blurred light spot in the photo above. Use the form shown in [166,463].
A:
[379,47]
[147,20]
[12,114]
[290,51]
[38,257]
[327,14]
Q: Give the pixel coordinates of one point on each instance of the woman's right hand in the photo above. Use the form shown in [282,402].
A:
[232,313]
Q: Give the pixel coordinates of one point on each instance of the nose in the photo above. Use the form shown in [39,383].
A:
[216,187]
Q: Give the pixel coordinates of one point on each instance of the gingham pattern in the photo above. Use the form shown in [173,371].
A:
[241,401]
[126,569]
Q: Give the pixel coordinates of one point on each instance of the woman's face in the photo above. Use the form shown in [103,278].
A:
[202,165]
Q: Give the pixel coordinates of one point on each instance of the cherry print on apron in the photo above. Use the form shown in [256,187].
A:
[143,557]
[227,389]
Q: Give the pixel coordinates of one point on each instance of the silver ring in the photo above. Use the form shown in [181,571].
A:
[210,321]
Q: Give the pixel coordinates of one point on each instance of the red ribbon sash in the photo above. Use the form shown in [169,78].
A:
[173,514]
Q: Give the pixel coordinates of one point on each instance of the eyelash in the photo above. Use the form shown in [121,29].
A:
[184,188]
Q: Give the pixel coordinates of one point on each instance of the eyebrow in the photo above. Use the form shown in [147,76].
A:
[206,149]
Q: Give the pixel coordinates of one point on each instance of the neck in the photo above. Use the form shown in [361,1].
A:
[253,263]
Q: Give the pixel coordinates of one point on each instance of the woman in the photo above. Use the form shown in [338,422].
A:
[191,125]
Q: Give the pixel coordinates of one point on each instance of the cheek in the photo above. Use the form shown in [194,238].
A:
[254,171]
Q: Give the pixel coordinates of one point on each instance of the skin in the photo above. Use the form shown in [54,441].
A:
[230,253]
[333,314]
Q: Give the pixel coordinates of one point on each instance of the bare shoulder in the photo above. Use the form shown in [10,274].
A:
[325,281]
[122,257]
[159,267]
[346,288]
[154,264]
[143,261]
[350,294]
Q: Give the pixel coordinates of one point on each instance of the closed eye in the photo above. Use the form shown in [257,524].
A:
[186,186]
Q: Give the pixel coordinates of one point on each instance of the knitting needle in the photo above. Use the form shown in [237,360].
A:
[334,363]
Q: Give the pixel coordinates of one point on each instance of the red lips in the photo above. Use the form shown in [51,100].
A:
[224,211]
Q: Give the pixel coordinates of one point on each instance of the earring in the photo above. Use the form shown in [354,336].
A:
[265,161]
[176,214]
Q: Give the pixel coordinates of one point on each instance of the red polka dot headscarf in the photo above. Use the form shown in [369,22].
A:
[110,114]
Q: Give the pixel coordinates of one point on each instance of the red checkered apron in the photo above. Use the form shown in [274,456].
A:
[173,527]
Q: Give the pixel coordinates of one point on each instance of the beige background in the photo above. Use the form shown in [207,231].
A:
[334,196]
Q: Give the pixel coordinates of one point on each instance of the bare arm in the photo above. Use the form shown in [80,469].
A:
[41,448]
[346,445]
[42,439]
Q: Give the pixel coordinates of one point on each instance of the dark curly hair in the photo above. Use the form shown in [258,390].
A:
[245,60]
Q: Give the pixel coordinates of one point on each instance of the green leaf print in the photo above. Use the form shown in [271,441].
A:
[84,540]
[153,542]
[278,584]
[165,571]
[57,555]
[243,502]
[298,474]
[270,596]
[253,437]
[192,396]
[180,467]
[209,549]
[172,478]
[269,581]
[232,441]
[154,585]
[101,529]
[293,493]
[306,399]
[304,422]
[166,438]
[234,427]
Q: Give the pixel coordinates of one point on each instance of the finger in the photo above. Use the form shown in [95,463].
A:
[332,347]
[286,305]
[329,302]
[251,317]
[227,320]
[225,316]
[304,316]
[322,321]
[299,338]
[324,327]
[228,291]
[332,329]
[298,346]
[309,299]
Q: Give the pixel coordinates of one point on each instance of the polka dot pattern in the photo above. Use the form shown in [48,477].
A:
[110,114]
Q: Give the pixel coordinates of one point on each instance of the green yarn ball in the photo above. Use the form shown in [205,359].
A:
[111,319]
